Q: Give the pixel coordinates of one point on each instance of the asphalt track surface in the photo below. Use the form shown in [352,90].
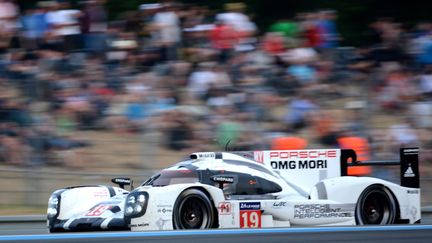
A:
[399,233]
[36,227]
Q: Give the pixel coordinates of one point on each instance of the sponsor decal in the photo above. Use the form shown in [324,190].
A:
[250,205]
[227,179]
[122,180]
[279,204]
[250,215]
[409,172]
[411,151]
[304,211]
[305,154]
[206,155]
[413,192]
[98,210]
[140,225]
[102,193]
[224,208]
[300,164]
[164,208]
[259,156]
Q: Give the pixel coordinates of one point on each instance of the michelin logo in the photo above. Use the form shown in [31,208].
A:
[250,205]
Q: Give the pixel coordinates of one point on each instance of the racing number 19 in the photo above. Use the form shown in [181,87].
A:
[250,219]
[98,210]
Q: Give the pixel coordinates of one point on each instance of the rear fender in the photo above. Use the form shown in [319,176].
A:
[347,189]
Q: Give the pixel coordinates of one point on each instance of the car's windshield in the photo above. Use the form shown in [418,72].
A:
[170,177]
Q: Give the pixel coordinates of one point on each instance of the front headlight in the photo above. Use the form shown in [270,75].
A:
[54,204]
[53,201]
[51,212]
[141,198]
[136,204]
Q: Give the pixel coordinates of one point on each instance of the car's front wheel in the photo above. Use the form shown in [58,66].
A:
[193,210]
[376,205]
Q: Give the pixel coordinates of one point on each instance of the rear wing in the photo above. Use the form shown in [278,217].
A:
[408,162]
[307,167]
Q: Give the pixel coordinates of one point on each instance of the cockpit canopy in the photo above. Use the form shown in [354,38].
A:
[234,177]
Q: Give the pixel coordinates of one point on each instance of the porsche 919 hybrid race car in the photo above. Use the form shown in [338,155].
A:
[253,189]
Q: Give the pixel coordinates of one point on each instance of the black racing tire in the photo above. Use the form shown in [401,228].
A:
[193,210]
[376,205]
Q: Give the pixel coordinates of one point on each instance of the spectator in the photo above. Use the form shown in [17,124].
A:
[361,146]
[274,43]
[311,31]
[9,14]
[286,27]
[422,110]
[240,22]
[35,27]
[288,143]
[329,34]
[325,128]
[94,26]
[425,86]
[179,130]
[397,90]
[64,23]
[298,112]
[12,147]
[402,134]
[137,113]
[224,38]
[167,32]
[201,80]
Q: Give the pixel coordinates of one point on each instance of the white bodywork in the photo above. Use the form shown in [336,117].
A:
[97,206]
[313,192]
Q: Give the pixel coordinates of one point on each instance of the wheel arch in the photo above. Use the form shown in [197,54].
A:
[208,194]
[205,190]
[395,198]
[391,194]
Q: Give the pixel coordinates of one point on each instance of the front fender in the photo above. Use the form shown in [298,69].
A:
[159,211]
[76,200]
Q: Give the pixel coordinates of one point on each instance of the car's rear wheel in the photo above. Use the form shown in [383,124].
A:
[193,210]
[376,205]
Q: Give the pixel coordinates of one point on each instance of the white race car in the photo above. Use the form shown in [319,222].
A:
[248,190]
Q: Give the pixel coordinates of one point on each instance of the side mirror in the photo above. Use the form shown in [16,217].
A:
[122,182]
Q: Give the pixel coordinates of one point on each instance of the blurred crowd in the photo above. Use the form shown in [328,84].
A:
[207,80]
